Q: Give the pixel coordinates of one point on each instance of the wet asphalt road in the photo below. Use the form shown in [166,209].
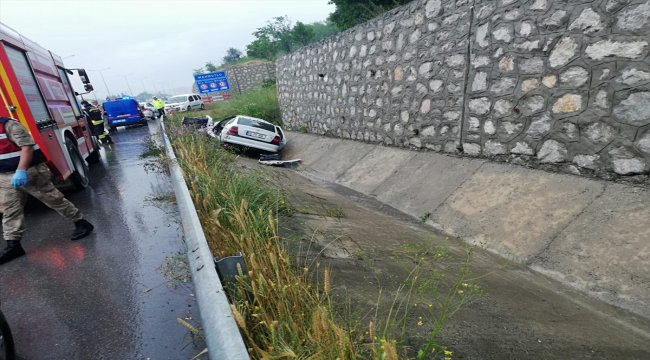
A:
[105,296]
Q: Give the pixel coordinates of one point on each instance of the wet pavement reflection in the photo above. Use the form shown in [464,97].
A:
[105,296]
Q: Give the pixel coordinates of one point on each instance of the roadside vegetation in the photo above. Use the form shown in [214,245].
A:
[260,103]
[286,308]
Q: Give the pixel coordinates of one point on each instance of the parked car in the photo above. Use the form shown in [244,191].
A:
[148,111]
[249,132]
[184,102]
[122,112]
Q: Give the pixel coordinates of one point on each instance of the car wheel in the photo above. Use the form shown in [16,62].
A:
[79,177]
[202,107]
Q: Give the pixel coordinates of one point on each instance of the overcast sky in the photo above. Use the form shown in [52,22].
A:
[155,44]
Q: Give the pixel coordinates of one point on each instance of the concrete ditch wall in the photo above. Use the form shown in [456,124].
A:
[557,85]
[590,234]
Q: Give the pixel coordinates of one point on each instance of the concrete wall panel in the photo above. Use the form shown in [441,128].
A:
[606,249]
[425,182]
[512,211]
[374,168]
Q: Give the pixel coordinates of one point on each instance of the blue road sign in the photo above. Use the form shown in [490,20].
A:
[211,82]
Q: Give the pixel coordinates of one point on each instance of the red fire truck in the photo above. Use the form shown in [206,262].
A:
[35,89]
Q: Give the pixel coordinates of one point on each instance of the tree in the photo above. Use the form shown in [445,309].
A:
[210,67]
[349,13]
[262,48]
[198,71]
[323,29]
[277,32]
[302,34]
[232,55]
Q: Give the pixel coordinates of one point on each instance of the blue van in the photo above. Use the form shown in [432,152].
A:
[122,112]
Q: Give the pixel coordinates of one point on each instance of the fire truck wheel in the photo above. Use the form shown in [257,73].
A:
[94,157]
[80,176]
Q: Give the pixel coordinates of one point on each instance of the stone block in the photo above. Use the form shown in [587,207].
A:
[494,148]
[634,17]
[522,148]
[529,85]
[644,143]
[532,105]
[552,152]
[608,48]
[507,63]
[503,86]
[586,161]
[533,65]
[574,77]
[479,106]
[502,108]
[563,52]
[480,82]
[633,76]
[503,33]
[600,133]
[629,166]
[549,81]
[568,103]
[589,21]
[540,126]
[634,110]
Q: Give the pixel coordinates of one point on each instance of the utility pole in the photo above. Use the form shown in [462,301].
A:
[100,71]
[128,85]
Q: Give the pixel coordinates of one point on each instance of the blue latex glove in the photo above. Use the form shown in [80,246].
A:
[19,179]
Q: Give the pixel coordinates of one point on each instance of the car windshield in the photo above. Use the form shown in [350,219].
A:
[256,124]
[176,99]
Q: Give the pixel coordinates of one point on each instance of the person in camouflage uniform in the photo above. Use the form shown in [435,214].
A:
[23,171]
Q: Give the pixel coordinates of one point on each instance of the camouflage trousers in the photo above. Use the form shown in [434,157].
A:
[39,185]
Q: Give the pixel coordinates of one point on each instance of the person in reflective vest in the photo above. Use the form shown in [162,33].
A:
[159,105]
[96,120]
[23,171]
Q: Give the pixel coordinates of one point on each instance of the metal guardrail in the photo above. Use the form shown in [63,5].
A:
[221,332]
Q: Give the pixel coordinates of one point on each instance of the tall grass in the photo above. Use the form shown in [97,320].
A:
[278,308]
[260,103]
[284,316]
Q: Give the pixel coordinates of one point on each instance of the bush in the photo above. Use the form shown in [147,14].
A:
[260,103]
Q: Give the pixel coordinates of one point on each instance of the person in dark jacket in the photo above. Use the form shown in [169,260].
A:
[95,118]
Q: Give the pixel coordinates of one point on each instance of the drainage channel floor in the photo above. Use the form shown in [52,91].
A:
[517,314]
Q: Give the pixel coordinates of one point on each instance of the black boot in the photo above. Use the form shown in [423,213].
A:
[81,229]
[12,251]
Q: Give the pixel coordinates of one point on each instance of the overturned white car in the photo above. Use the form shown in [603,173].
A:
[250,132]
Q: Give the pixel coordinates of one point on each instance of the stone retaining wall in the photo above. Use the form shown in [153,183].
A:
[560,85]
[245,78]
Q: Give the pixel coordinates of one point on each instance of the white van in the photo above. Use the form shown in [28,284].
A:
[185,102]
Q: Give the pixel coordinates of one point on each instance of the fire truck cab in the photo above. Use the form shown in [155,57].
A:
[35,90]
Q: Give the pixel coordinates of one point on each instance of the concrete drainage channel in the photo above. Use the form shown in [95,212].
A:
[221,332]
